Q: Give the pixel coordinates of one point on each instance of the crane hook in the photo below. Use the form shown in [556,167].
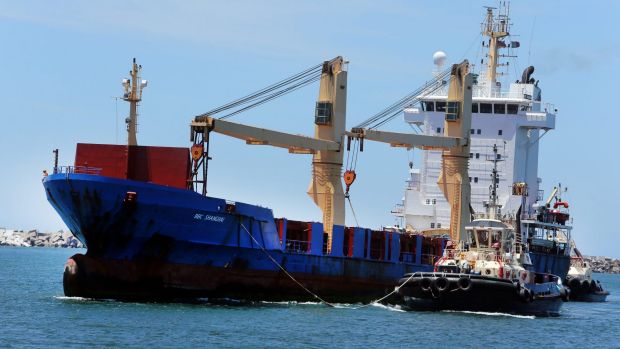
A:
[349,177]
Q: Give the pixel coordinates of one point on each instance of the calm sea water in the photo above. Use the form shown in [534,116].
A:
[34,313]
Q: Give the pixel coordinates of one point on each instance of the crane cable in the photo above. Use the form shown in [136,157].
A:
[316,296]
[268,93]
[393,110]
[350,175]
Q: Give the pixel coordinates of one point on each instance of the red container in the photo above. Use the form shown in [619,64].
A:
[161,165]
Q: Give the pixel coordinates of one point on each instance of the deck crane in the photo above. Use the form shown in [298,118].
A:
[325,187]
[453,179]
[326,146]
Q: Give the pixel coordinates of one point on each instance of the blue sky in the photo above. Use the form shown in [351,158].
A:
[62,62]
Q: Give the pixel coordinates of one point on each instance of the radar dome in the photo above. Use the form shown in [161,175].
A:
[439,58]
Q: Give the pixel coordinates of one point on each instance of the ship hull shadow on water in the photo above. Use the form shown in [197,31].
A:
[464,292]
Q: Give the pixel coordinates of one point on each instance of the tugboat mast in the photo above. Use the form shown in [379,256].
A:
[133,94]
[493,208]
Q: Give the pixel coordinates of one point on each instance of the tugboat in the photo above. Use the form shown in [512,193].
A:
[487,270]
[579,280]
[548,233]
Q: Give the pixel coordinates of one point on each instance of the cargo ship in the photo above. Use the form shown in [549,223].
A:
[153,233]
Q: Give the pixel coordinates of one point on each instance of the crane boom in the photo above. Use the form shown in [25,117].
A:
[550,198]
[297,144]
[408,140]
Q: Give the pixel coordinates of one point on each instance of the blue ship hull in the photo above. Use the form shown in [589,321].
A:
[550,263]
[148,241]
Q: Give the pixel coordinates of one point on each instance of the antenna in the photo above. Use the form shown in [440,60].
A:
[133,94]
[529,50]
[115,118]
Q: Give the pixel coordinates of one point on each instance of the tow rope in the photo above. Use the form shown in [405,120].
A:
[316,296]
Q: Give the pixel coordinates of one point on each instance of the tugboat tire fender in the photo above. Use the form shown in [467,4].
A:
[464,284]
[525,295]
[593,286]
[565,293]
[425,284]
[585,285]
[441,284]
[574,285]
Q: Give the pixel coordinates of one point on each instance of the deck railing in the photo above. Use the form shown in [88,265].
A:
[79,169]
[298,246]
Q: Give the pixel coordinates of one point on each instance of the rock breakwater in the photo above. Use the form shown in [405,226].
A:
[603,264]
[34,238]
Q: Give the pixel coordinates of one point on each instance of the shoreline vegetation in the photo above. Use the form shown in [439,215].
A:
[64,239]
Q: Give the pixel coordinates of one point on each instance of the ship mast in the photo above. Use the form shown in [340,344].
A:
[495,28]
[133,94]
[493,208]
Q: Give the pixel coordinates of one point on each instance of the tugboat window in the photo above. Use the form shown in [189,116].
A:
[472,238]
[496,237]
[483,238]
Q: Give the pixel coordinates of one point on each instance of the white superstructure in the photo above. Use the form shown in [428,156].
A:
[514,119]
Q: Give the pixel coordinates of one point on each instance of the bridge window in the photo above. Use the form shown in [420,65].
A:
[479,131]
[441,106]
[500,132]
[434,201]
[475,179]
[438,225]
[486,108]
[500,108]
[472,131]
[477,155]
[432,225]
[428,106]
[513,108]
[438,129]
[474,107]
[471,155]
